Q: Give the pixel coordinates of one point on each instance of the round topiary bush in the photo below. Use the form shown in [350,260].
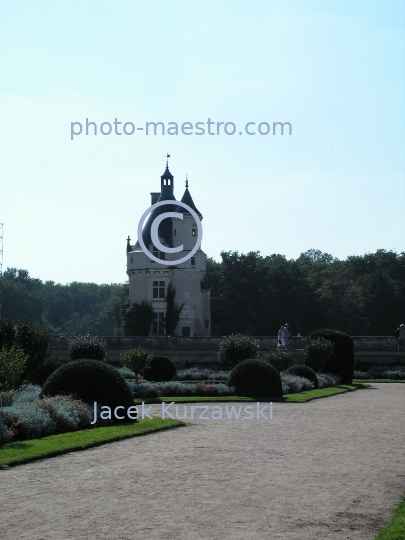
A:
[90,347]
[91,381]
[255,378]
[342,361]
[304,371]
[160,368]
[278,359]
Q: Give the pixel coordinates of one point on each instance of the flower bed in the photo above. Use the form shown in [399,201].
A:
[24,415]
[201,374]
[379,374]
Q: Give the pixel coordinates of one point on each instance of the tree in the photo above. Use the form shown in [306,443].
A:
[32,338]
[172,310]
[138,319]
[12,365]
[137,360]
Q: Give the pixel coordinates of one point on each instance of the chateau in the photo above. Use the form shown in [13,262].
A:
[149,280]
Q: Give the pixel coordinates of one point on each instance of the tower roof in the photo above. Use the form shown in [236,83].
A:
[187,199]
[165,228]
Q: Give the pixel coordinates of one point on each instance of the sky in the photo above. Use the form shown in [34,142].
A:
[335,70]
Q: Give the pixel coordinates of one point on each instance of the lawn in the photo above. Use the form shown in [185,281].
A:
[16,453]
[395,530]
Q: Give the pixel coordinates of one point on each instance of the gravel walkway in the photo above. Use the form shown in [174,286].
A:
[328,469]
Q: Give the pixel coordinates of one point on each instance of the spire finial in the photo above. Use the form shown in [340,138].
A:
[186,182]
[167,160]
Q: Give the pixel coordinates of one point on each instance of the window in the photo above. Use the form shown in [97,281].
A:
[158,290]
[207,323]
[192,261]
[185,331]
[158,325]
[174,232]
[159,254]
[132,259]
[193,232]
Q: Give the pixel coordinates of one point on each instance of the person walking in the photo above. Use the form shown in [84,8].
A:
[287,335]
[401,336]
[280,337]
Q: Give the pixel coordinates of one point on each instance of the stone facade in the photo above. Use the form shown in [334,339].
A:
[149,280]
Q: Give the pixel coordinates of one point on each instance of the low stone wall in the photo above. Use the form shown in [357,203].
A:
[370,351]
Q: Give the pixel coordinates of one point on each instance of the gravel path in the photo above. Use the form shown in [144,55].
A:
[328,469]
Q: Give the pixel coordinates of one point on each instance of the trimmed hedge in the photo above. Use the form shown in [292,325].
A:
[342,362]
[90,381]
[255,378]
[160,368]
[304,371]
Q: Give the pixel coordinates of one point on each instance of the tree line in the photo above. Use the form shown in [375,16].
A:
[362,295]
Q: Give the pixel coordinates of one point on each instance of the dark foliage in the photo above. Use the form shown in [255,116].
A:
[32,337]
[342,362]
[363,295]
[43,371]
[173,311]
[160,368]
[91,381]
[304,371]
[130,319]
[255,378]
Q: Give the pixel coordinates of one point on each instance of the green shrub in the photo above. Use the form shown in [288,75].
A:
[43,371]
[160,368]
[90,381]
[90,347]
[137,360]
[318,352]
[12,364]
[342,361]
[304,371]
[278,359]
[236,348]
[32,337]
[255,378]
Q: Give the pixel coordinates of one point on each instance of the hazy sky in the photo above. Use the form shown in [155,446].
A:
[333,69]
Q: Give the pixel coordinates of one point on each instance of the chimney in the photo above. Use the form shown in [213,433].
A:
[154,198]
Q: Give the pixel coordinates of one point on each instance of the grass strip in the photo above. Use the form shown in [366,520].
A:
[395,529]
[379,380]
[16,453]
[302,397]
[192,399]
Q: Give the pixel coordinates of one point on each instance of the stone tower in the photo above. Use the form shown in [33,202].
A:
[148,280]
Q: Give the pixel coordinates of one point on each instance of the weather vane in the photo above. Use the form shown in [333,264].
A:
[167,159]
